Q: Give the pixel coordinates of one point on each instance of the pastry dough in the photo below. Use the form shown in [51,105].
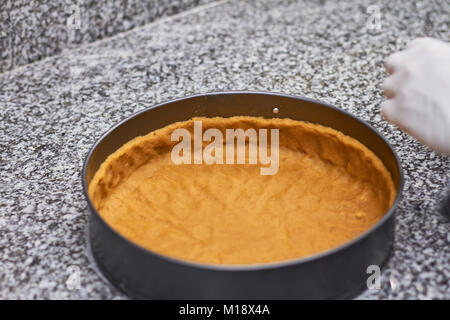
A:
[329,189]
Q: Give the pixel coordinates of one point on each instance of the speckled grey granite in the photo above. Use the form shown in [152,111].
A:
[33,29]
[52,111]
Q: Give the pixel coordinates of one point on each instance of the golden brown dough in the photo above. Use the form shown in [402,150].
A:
[329,189]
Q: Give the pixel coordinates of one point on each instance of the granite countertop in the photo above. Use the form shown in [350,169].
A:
[33,29]
[52,111]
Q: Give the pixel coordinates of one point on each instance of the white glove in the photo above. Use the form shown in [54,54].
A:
[418,92]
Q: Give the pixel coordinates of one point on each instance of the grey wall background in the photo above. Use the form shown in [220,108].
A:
[34,29]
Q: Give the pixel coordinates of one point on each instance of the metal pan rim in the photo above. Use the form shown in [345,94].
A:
[246,267]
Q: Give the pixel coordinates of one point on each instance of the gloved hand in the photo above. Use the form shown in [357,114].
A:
[418,92]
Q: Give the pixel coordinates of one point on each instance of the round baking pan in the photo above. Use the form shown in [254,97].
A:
[338,273]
